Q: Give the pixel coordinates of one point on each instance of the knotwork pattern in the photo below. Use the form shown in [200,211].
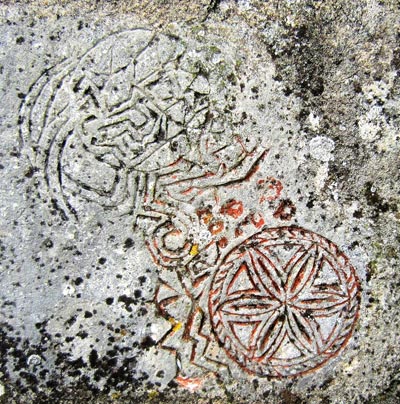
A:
[133,116]
[144,125]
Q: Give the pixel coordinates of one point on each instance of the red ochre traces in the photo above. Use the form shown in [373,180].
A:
[271,189]
[284,302]
[286,210]
[233,208]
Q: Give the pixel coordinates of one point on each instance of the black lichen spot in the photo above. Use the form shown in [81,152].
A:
[48,243]
[317,86]
[88,314]
[93,357]
[147,342]
[127,301]
[172,384]
[374,200]
[110,300]
[128,243]
[30,379]
[138,293]
[174,146]
[82,334]
[71,320]
[30,172]
[357,87]
[78,363]
[310,204]
[102,260]
[78,281]
[20,40]
[142,311]
[290,398]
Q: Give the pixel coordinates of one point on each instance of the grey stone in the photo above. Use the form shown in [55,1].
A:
[199,202]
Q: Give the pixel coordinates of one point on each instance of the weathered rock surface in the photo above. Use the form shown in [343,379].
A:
[199,201]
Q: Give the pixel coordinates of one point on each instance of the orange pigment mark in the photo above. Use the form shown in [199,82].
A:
[187,191]
[217,198]
[176,162]
[286,210]
[158,202]
[233,208]
[204,215]
[199,280]
[223,242]
[190,383]
[273,189]
[216,227]
[174,233]
[257,220]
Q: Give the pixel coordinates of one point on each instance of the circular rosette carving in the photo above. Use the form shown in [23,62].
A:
[171,242]
[284,302]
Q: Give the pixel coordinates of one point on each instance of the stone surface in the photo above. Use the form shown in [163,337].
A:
[199,201]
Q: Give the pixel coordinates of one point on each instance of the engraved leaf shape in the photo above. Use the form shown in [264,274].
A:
[302,272]
[271,333]
[255,306]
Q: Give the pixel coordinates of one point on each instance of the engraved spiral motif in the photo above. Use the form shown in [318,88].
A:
[284,302]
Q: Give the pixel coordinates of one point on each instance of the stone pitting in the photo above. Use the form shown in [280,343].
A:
[137,127]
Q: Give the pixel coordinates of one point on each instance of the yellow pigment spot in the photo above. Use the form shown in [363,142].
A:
[194,250]
[116,395]
[177,325]
[153,394]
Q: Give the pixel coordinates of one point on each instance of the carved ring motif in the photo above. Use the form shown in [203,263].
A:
[138,125]
[284,302]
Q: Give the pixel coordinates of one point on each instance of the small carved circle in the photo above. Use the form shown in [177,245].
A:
[171,242]
[284,302]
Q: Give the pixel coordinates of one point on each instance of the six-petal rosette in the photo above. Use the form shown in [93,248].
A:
[284,302]
[145,125]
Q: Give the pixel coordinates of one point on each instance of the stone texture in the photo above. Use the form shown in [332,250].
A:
[199,201]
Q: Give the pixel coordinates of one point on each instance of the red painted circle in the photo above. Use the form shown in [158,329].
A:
[284,302]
